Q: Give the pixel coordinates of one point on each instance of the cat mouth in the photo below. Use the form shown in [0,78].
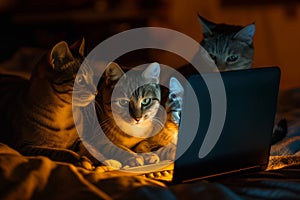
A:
[140,123]
[136,123]
[133,122]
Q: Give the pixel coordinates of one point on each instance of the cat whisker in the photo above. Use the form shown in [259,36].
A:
[98,107]
[106,122]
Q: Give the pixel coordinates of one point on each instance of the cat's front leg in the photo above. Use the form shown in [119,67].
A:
[151,158]
[145,148]
[134,160]
[99,161]
[106,153]
[127,157]
[165,152]
[140,159]
[142,147]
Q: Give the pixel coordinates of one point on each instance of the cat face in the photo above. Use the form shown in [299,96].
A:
[65,62]
[136,98]
[230,46]
[175,100]
[84,90]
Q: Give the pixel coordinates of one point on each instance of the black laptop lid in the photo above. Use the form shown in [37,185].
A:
[244,141]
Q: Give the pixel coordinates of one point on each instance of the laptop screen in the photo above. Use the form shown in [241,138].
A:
[230,130]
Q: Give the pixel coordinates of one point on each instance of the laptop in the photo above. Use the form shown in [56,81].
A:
[214,141]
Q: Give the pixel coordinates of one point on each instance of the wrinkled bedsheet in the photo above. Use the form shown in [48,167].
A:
[40,178]
[287,151]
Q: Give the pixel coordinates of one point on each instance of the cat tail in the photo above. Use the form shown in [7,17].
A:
[280,131]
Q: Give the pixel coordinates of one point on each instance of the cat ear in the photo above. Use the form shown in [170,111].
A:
[60,55]
[207,26]
[175,87]
[152,72]
[246,34]
[113,72]
[79,47]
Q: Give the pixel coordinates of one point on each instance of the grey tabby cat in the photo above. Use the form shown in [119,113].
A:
[230,46]
[131,115]
[36,114]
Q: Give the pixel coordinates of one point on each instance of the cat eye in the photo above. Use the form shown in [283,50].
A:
[232,58]
[173,96]
[123,102]
[80,80]
[146,102]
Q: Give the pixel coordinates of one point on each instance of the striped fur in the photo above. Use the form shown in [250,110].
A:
[37,113]
[124,129]
[230,46]
[164,142]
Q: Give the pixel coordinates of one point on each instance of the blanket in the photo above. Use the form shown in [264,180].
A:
[40,178]
[287,151]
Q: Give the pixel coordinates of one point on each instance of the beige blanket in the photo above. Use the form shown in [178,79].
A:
[40,178]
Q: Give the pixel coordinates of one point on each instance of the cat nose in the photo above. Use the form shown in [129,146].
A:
[137,119]
[96,92]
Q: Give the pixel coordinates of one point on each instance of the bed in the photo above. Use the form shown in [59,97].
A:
[39,177]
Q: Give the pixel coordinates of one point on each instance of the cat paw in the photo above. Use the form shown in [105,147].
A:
[133,161]
[86,163]
[102,169]
[151,158]
[112,163]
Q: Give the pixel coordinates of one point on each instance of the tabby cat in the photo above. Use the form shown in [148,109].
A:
[36,114]
[230,46]
[132,114]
